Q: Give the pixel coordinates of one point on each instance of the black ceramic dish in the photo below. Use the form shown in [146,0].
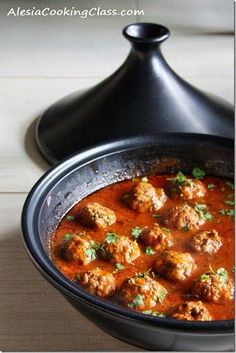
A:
[60,188]
[143,96]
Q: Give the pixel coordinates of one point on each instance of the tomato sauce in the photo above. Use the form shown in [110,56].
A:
[111,197]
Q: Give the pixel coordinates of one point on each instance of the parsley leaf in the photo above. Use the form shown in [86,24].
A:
[227,212]
[211,186]
[119,267]
[142,274]
[201,210]
[198,173]
[70,217]
[200,207]
[149,251]
[185,228]
[153,313]
[231,185]
[91,254]
[68,236]
[156,215]
[78,277]
[229,202]
[223,274]
[180,178]
[111,238]
[166,229]
[204,277]
[229,196]
[138,301]
[136,231]
[161,295]
[208,216]
[144,180]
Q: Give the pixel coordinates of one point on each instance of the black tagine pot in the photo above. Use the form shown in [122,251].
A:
[67,183]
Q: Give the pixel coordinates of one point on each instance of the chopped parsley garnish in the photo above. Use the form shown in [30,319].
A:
[198,173]
[211,186]
[231,185]
[78,277]
[208,216]
[185,228]
[144,180]
[111,238]
[204,277]
[159,314]
[142,274]
[233,269]
[91,254]
[136,231]
[153,313]
[138,301]
[70,217]
[223,274]
[227,212]
[161,295]
[180,178]
[229,202]
[156,215]
[202,212]
[119,267]
[166,229]
[97,246]
[229,196]
[149,251]
[200,207]
[68,236]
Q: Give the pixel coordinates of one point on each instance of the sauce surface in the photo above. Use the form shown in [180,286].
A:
[219,204]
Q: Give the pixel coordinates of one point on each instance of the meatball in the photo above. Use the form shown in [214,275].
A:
[207,242]
[193,190]
[194,311]
[175,266]
[98,282]
[213,287]
[188,190]
[144,197]
[182,216]
[157,237]
[96,215]
[141,292]
[119,248]
[80,248]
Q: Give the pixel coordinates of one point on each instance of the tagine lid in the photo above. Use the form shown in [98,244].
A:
[144,96]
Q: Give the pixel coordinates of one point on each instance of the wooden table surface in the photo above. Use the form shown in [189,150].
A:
[43,59]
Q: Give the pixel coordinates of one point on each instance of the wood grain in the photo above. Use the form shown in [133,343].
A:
[33,315]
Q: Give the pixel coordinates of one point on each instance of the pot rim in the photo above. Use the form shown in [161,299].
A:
[43,263]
